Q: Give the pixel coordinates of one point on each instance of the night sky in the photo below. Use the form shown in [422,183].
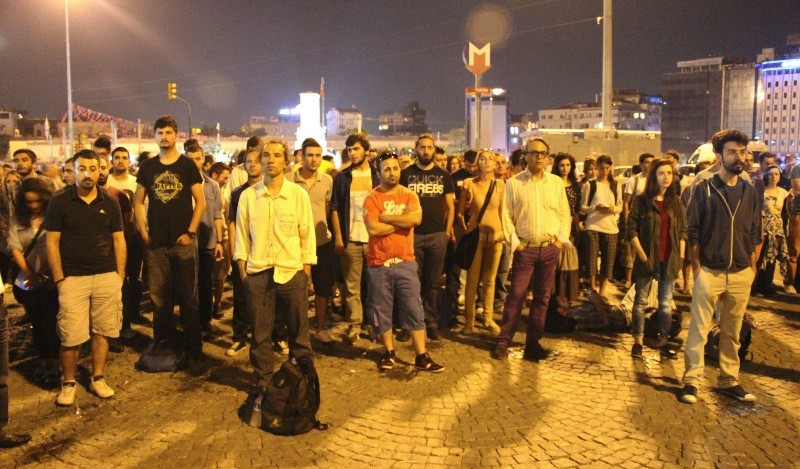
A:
[236,59]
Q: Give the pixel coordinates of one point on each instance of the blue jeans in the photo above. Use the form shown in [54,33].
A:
[395,287]
[664,313]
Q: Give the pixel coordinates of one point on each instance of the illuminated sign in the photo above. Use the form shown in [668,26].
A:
[780,64]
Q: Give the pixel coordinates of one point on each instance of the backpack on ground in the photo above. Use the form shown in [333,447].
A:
[745,338]
[160,356]
[292,399]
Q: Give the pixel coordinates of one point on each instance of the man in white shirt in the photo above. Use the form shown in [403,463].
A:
[120,177]
[274,249]
[538,207]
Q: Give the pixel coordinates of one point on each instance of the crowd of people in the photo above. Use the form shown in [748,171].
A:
[85,241]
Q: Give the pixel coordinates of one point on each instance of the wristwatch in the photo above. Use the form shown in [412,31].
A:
[191,234]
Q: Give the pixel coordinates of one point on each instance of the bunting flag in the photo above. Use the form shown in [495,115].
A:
[118,125]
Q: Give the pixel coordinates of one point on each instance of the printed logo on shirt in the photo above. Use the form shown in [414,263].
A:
[426,185]
[167,186]
[391,208]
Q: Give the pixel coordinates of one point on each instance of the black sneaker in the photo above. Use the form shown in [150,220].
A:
[425,363]
[387,361]
[500,352]
[668,353]
[636,351]
[688,394]
[535,352]
[403,336]
[433,334]
[198,365]
[738,393]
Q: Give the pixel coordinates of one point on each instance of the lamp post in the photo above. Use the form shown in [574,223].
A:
[69,83]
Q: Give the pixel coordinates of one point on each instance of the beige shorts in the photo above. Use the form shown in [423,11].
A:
[222,267]
[89,302]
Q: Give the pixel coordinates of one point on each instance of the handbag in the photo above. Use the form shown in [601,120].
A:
[14,273]
[468,244]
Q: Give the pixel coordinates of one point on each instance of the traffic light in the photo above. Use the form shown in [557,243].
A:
[172,91]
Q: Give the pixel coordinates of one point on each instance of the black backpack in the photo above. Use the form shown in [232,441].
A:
[745,338]
[290,405]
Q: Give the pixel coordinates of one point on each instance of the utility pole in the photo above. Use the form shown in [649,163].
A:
[608,90]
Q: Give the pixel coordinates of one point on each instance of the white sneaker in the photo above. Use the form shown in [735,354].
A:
[101,388]
[235,348]
[67,395]
[790,290]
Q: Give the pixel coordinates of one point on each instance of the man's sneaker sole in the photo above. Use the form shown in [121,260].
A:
[746,397]
[235,348]
[688,396]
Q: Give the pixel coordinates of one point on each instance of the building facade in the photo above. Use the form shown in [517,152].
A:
[632,110]
[343,121]
[409,120]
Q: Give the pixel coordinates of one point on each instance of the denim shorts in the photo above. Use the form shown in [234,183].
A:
[398,282]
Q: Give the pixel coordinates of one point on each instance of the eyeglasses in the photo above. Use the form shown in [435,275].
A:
[535,154]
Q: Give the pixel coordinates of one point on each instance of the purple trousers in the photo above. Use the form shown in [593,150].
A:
[540,263]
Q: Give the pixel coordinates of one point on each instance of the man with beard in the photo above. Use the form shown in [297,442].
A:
[434,187]
[86,254]
[69,171]
[350,234]
[724,228]
[24,163]
[275,249]
[391,212]
[120,177]
[168,227]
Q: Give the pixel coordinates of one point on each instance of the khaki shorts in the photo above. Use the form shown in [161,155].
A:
[222,267]
[89,301]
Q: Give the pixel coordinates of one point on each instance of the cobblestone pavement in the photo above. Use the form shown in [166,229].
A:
[588,404]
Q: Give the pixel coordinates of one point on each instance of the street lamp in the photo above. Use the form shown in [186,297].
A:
[69,81]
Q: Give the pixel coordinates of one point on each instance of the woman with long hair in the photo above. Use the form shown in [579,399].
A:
[453,164]
[657,233]
[774,249]
[601,202]
[33,288]
[567,281]
[490,242]
[10,179]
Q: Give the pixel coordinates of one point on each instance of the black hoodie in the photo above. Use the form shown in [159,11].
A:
[727,236]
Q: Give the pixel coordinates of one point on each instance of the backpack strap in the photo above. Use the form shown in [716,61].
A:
[592,190]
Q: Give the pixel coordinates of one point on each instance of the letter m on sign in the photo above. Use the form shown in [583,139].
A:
[479,59]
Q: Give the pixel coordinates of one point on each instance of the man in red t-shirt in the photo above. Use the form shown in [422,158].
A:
[391,212]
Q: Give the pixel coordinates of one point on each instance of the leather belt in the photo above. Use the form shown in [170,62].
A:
[531,244]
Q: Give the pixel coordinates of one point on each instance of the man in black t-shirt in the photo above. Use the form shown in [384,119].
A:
[168,228]
[434,187]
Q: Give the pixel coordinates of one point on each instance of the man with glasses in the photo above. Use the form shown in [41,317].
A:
[391,213]
[350,235]
[538,207]
[434,188]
